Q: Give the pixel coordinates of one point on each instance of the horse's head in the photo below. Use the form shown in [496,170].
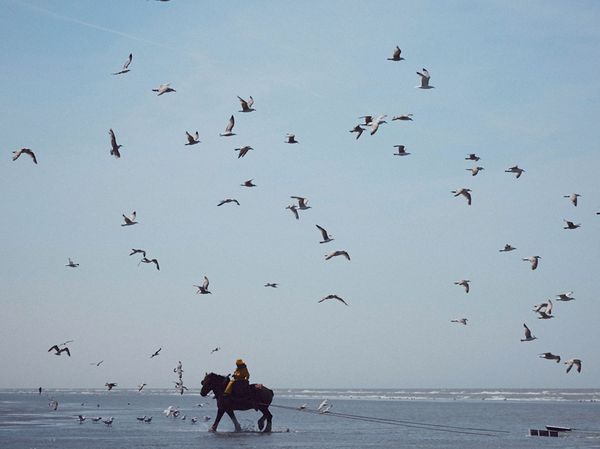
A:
[212,382]
[207,384]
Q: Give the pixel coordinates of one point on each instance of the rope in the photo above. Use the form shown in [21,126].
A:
[402,423]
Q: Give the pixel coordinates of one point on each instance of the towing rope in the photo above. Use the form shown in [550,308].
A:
[402,423]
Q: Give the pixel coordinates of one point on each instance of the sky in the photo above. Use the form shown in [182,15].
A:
[514,83]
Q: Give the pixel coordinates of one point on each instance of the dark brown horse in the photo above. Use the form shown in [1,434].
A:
[258,397]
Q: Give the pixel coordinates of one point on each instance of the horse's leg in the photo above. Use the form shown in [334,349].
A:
[217,419]
[238,428]
[266,416]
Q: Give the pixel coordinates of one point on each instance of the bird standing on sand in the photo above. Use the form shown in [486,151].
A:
[125,67]
[163,89]
[333,297]
[27,151]
[528,336]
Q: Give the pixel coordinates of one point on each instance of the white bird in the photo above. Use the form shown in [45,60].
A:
[203,289]
[302,202]
[425,77]
[337,253]
[533,260]
[375,123]
[573,362]
[396,56]
[515,169]
[192,140]
[129,220]
[403,117]
[475,170]
[472,157]
[291,138]
[401,150]
[543,307]
[163,89]
[324,234]
[571,225]
[333,297]
[358,130]
[26,151]
[565,297]
[464,192]
[113,143]
[323,404]
[507,248]
[247,105]
[464,283]
[573,198]
[71,264]
[228,129]
[460,320]
[125,68]
[528,336]
[549,356]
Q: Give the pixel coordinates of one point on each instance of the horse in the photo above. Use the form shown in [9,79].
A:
[259,398]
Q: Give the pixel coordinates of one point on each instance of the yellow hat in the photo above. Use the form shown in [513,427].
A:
[239,362]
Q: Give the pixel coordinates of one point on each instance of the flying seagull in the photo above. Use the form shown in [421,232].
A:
[475,170]
[26,151]
[464,283]
[71,264]
[368,120]
[403,117]
[375,123]
[533,260]
[302,202]
[472,157]
[216,349]
[507,248]
[571,225]
[113,143]
[243,150]
[565,297]
[228,200]
[59,351]
[549,356]
[125,68]
[460,320]
[572,362]
[333,297]
[163,89]
[326,236]
[154,261]
[137,251]
[155,353]
[192,140]
[425,77]
[228,129]
[358,130]
[516,170]
[97,363]
[247,105]
[203,289]
[110,385]
[129,220]
[337,253]
[290,138]
[271,284]
[396,56]
[528,336]
[573,198]
[464,192]
[294,210]
[141,386]
[401,150]
[248,183]
[544,310]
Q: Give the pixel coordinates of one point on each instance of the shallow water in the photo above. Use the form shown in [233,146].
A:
[26,421]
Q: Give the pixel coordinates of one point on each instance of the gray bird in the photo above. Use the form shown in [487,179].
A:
[571,225]
[401,150]
[425,77]
[228,200]
[192,140]
[549,356]
[533,260]
[396,55]
[464,283]
[27,151]
[337,253]
[573,362]
[229,128]
[358,130]
[291,138]
[475,170]
[163,89]
[203,289]
[404,117]
[573,198]
[129,221]
[460,321]
[243,150]
[247,105]
[326,237]
[528,335]
[113,143]
[464,192]
[516,170]
[507,248]
[125,67]
[333,297]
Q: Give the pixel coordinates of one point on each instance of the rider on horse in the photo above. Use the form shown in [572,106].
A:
[240,373]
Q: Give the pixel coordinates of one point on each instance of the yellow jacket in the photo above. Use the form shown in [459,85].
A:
[241,373]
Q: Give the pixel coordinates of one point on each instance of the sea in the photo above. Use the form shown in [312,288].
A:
[360,419]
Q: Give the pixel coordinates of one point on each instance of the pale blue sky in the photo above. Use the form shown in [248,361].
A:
[513,83]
